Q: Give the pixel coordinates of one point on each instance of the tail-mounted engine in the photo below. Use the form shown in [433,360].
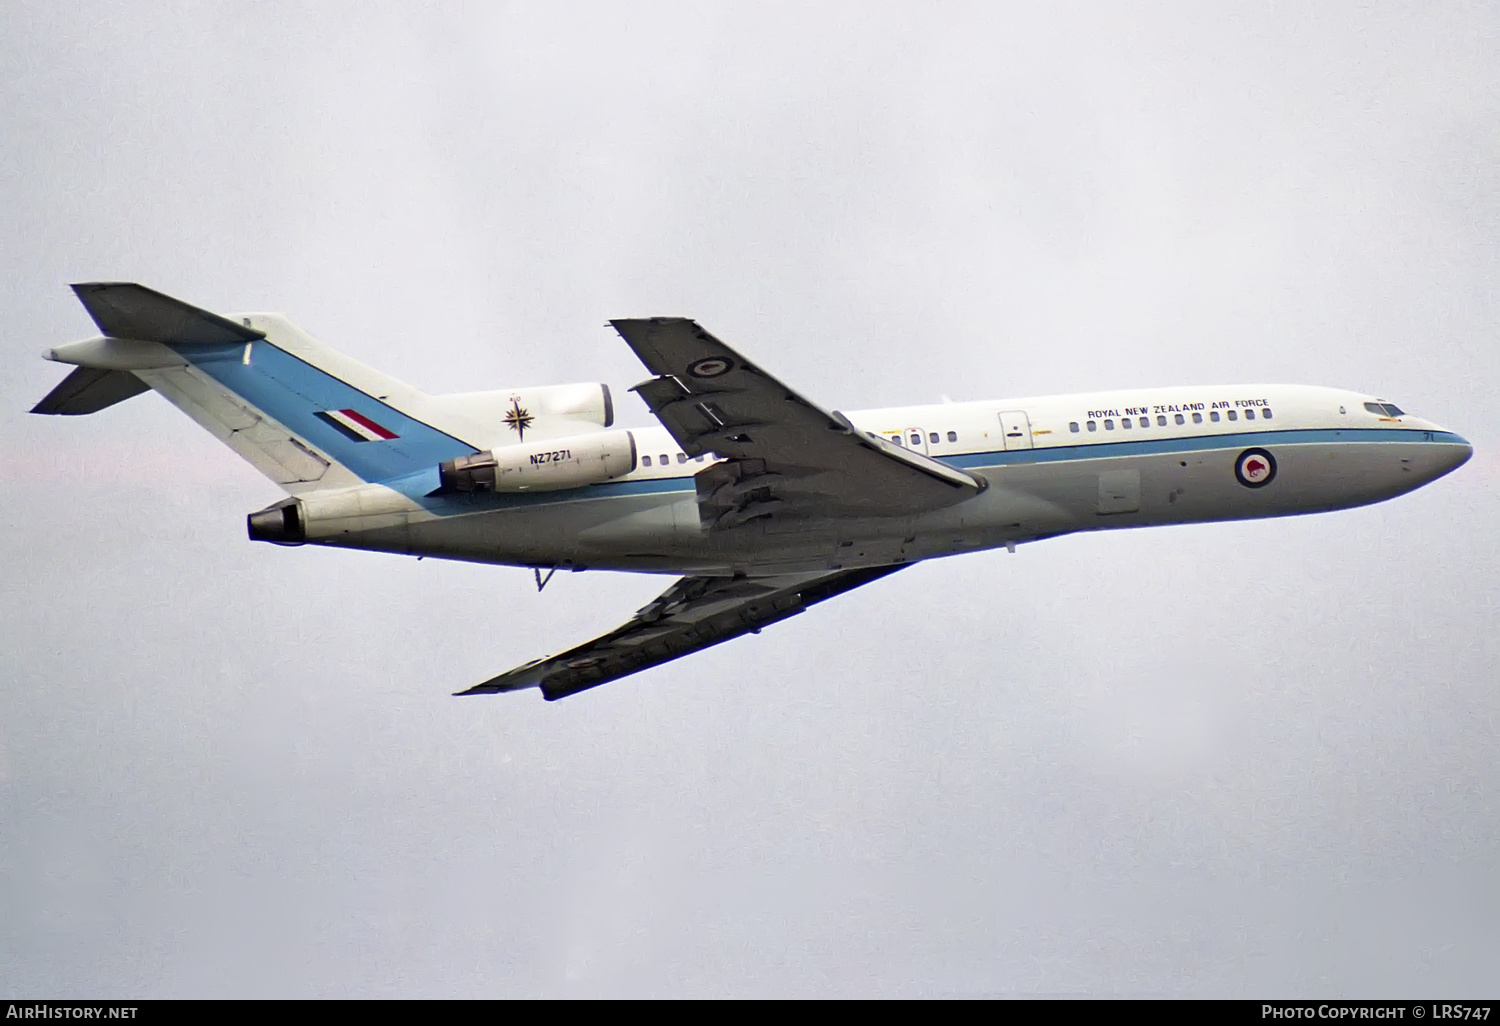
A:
[571,462]
[282,524]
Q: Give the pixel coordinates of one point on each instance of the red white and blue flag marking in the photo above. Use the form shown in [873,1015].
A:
[355,425]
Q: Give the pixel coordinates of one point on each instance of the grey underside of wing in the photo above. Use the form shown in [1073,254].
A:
[89,390]
[786,456]
[694,613]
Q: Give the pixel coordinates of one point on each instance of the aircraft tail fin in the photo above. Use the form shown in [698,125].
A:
[305,416]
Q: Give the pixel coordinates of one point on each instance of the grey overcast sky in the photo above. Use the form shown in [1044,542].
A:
[1226,760]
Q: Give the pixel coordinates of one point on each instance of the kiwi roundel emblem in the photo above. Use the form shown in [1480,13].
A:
[711,367]
[1255,468]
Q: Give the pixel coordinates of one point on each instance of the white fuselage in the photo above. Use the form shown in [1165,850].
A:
[1054,465]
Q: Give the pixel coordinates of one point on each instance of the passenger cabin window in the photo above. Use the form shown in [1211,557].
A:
[1126,423]
[682,457]
[1249,414]
[645,461]
[1214,416]
[916,439]
[952,436]
[1179,419]
[1145,422]
[932,438]
[1093,425]
[1197,418]
[1233,415]
[1109,425]
[1073,426]
[664,459]
[1266,414]
[1161,421]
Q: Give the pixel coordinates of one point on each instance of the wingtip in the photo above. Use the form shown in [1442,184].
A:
[487,688]
[491,687]
[481,689]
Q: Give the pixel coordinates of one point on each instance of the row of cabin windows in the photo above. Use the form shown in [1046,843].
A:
[682,457]
[1161,420]
[933,438]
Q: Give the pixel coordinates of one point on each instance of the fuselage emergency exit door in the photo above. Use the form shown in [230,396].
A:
[1016,428]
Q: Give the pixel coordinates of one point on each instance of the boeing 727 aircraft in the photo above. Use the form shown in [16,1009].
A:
[763,501]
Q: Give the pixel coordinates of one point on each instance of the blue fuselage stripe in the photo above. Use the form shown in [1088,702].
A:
[1197,443]
[1054,454]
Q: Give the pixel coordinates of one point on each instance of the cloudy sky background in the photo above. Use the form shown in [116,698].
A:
[1250,759]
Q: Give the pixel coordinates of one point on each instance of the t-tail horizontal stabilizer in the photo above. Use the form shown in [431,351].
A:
[129,314]
[89,390]
[305,416]
[127,310]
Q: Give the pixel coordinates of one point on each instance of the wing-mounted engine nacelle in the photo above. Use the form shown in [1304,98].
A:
[543,466]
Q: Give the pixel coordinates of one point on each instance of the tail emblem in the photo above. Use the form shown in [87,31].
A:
[355,425]
[518,419]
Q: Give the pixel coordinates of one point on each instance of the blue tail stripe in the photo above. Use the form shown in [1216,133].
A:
[294,392]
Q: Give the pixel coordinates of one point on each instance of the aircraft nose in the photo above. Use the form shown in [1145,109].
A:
[1449,454]
[1467,451]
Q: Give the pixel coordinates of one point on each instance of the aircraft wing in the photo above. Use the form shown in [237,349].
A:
[785,456]
[693,614]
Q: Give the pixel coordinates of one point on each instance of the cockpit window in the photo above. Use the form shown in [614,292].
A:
[1384,409]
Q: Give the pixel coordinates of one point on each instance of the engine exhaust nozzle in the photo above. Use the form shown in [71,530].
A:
[280,524]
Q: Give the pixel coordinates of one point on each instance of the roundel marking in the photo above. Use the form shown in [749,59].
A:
[1255,468]
[711,367]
